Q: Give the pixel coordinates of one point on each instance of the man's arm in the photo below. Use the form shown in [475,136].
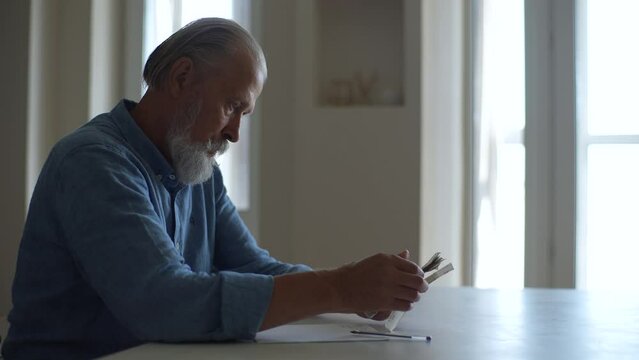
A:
[122,250]
[124,253]
[378,283]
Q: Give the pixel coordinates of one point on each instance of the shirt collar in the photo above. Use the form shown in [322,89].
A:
[138,140]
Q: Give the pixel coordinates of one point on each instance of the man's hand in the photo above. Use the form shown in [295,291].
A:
[379,283]
[383,315]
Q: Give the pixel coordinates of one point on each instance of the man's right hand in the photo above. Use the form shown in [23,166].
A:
[378,283]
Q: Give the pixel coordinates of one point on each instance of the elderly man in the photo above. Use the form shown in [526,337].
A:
[130,235]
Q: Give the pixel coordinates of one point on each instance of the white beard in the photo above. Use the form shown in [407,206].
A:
[192,161]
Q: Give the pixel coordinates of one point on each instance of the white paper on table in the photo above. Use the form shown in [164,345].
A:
[299,333]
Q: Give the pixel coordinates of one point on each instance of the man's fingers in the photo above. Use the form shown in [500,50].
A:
[407,266]
[381,315]
[401,305]
[414,282]
[404,293]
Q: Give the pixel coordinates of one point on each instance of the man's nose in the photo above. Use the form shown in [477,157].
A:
[232,130]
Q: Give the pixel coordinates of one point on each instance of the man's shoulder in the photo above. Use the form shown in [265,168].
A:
[101,133]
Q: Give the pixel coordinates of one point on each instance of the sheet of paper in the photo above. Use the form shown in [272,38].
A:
[296,333]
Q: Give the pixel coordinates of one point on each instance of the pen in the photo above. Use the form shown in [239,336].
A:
[409,337]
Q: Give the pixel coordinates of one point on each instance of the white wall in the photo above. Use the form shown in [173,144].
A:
[277,129]
[340,184]
[335,186]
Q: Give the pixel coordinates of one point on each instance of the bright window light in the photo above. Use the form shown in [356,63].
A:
[608,144]
[612,66]
[500,175]
[612,241]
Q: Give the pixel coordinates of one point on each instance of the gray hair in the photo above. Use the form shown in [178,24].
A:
[204,41]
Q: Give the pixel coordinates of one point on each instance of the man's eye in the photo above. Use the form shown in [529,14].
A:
[233,107]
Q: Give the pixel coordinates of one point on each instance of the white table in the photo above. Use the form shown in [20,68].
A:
[466,323]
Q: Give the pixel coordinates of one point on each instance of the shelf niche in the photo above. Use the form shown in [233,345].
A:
[360,53]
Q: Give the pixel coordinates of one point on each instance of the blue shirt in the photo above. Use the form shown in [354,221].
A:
[116,252]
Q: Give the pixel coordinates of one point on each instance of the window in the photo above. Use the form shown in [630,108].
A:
[500,154]
[163,18]
[576,225]
[608,147]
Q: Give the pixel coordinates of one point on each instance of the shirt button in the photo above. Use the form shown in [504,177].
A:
[172,177]
[177,246]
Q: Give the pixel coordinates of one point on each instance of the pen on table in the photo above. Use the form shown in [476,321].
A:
[408,337]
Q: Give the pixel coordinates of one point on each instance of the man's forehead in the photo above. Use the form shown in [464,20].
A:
[240,71]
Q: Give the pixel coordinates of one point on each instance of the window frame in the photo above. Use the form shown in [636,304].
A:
[551,144]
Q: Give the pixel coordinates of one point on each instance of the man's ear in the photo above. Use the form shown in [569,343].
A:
[181,75]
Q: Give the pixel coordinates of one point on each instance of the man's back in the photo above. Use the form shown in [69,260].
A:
[50,294]
[115,252]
